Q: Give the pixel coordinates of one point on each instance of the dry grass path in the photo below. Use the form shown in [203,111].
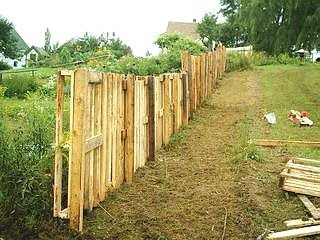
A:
[187,192]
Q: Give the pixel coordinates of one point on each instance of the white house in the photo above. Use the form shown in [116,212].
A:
[247,50]
[33,54]
[315,55]
[22,47]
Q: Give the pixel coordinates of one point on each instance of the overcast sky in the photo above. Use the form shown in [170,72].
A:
[136,22]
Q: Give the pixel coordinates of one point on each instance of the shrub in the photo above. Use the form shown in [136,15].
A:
[139,65]
[236,61]
[18,85]
[286,59]
[4,66]
[2,91]
[26,165]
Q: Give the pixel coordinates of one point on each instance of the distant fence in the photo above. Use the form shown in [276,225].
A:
[117,123]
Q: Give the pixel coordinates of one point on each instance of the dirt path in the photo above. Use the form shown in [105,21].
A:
[192,187]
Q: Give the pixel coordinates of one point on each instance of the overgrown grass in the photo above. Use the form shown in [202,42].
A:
[236,61]
[242,150]
[26,162]
[19,84]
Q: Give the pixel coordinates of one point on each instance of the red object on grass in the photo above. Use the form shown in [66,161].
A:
[304,114]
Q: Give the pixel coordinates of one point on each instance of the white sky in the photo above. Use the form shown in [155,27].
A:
[136,22]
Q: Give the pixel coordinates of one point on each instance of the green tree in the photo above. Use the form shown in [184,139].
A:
[47,41]
[209,30]
[8,43]
[276,26]
[172,45]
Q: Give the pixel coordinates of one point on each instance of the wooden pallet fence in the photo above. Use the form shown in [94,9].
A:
[118,122]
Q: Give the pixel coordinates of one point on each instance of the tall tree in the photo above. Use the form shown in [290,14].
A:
[209,29]
[47,41]
[8,43]
[277,26]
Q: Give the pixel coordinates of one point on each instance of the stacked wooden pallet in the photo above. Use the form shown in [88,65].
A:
[301,176]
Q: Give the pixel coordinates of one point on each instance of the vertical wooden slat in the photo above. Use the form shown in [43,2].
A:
[97,151]
[71,129]
[186,106]
[187,68]
[114,130]
[58,153]
[166,110]
[87,132]
[194,84]
[145,149]
[104,130]
[176,104]
[199,80]
[135,151]
[109,126]
[120,128]
[129,122]
[151,118]
[78,153]
[92,153]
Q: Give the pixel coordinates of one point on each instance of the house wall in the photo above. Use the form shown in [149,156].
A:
[20,63]
[315,55]
[242,50]
[28,56]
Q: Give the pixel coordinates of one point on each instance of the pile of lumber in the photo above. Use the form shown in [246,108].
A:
[301,176]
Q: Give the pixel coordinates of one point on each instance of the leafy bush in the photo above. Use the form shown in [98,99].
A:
[139,65]
[286,59]
[4,66]
[2,91]
[236,61]
[26,164]
[50,87]
[18,85]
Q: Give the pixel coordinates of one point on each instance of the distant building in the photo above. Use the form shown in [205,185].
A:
[184,28]
[247,50]
[22,47]
[315,55]
[34,54]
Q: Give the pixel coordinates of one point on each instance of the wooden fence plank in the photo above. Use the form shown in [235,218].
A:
[93,142]
[151,118]
[129,123]
[71,130]
[78,154]
[104,130]
[58,153]
[91,153]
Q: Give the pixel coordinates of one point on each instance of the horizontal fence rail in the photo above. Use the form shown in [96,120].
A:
[118,122]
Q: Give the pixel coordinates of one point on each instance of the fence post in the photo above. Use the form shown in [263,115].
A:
[186,102]
[78,153]
[151,118]
[129,124]
[186,63]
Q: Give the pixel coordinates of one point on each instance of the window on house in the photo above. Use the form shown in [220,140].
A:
[15,63]
[33,57]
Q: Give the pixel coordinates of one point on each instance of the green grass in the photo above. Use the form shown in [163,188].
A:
[289,87]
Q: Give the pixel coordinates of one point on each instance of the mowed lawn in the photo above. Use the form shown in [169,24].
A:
[291,87]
